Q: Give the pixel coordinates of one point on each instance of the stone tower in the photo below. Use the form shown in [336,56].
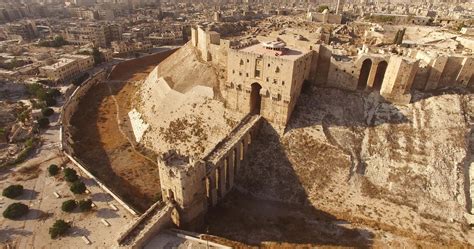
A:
[398,79]
[182,182]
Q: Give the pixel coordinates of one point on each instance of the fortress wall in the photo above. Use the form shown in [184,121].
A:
[436,69]
[202,44]
[314,65]
[398,79]
[67,111]
[343,75]
[145,60]
[451,70]
[70,107]
[324,64]
[421,77]
[466,72]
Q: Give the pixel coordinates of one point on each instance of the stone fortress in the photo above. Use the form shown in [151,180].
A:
[262,78]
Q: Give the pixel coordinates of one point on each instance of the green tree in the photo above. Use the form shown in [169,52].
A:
[59,228]
[69,205]
[50,101]
[80,79]
[15,210]
[13,191]
[43,122]
[85,205]
[53,169]
[47,112]
[78,187]
[54,93]
[97,56]
[70,175]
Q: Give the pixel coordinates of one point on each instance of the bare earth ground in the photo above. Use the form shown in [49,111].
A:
[354,171]
[31,231]
[104,148]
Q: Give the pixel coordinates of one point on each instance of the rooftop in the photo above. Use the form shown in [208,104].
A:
[285,53]
[61,63]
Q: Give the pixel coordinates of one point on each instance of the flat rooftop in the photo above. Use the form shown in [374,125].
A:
[61,63]
[287,53]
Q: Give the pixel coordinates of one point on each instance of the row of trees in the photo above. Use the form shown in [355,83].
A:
[60,227]
[47,97]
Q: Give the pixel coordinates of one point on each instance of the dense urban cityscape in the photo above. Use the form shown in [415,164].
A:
[236,123]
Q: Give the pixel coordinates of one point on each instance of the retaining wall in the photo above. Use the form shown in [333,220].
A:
[67,111]
[72,102]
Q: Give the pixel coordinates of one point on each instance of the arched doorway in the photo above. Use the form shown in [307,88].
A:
[255,99]
[379,75]
[364,74]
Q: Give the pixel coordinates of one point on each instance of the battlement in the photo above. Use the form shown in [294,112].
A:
[176,159]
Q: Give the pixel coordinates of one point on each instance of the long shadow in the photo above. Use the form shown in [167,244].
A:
[8,233]
[28,194]
[259,219]
[106,213]
[79,232]
[34,214]
[88,147]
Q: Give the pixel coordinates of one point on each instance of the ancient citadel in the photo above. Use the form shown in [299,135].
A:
[263,78]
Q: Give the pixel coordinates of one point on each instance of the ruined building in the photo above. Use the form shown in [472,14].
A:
[264,77]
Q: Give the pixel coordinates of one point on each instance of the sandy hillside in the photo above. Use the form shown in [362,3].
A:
[184,69]
[193,122]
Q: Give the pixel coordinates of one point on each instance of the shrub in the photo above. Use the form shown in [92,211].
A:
[53,169]
[50,101]
[43,122]
[68,205]
[13,191]
[78,187]
[15,210]
[78,81]
[47,112]
[70,175]
[54,93]
[85,205]
[59,228]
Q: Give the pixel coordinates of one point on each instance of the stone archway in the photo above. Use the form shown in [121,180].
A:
[255,99]
[364,74]
[379,75]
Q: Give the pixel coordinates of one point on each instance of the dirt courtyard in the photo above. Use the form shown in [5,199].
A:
[103,138]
